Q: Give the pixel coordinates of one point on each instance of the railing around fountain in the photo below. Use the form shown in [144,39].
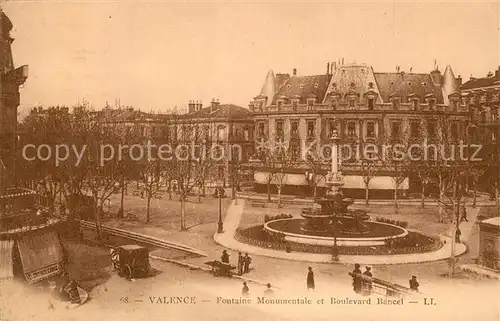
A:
[279,243]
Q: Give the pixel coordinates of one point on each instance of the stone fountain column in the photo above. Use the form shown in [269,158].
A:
[334,180]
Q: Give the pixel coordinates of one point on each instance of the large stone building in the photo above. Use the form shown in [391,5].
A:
[363,106]
[10,80]
[483,97]
[226,125]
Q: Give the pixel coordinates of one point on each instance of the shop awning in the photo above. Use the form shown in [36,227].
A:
[6,267]
[41,255]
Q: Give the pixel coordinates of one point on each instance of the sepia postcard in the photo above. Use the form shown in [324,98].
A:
[249,160]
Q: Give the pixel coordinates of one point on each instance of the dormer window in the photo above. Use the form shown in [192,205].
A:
[310,103]
[414,104]
[432,103]
[316,85]
[371,103]
[301,86]
[351,103]
[295,103]
[279,103]
[395,103]
[454,105]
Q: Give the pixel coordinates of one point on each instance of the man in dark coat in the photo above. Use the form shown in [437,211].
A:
[241,260]
[413,283]
[225,257]
[356,279]
[247,261]
[310,280]
[464,214]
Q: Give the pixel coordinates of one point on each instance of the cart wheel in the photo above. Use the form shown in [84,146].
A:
[127,272]
[119,270]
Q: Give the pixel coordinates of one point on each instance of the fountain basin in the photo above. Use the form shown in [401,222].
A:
[378,234]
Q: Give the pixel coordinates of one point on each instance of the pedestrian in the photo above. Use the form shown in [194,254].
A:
[245,291]
[310,280]
[413,283]
[464,214]
[142,193]
[247,261]
[225,257]
[241,260]
[457,235]
[268,292]
[356,278]
[367,283]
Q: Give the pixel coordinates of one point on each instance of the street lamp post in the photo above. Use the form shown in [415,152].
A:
[220,226]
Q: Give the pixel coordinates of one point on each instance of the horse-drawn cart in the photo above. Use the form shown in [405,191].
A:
[221,269]
[131,261]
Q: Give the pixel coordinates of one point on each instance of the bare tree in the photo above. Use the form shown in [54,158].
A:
[150,176]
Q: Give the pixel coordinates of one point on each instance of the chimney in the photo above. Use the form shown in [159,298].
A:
[214,105]
[342,61]
[327,68]
[199,105]
[191,106]
[334,67]
[458,81]
[294,72]
[397,68]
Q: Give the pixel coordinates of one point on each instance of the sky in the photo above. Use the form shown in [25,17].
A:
[158,55]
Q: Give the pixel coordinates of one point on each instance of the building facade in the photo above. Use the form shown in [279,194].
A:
[483,97]
[11,79]
[364,107]
[228,126]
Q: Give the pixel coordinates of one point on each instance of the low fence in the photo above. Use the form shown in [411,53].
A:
[282,245]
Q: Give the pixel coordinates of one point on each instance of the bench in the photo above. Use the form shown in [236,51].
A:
[259,203]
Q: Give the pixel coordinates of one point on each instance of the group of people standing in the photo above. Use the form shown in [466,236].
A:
[362,285]
[243,261]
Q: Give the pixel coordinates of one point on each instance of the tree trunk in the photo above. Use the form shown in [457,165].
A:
[497,197]
[315,191]
[169,190]
[452,261]
[396,205]
[148,211]
[97,216]
[183,212]
[122,214]
[422,195]
[279,196]
[269,191]
[441,198]
[367,195]
[474,199]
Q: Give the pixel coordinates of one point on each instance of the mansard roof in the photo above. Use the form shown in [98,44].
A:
[304,86]
[403,85]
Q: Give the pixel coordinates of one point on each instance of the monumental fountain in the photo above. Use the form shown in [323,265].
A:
[333,223]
